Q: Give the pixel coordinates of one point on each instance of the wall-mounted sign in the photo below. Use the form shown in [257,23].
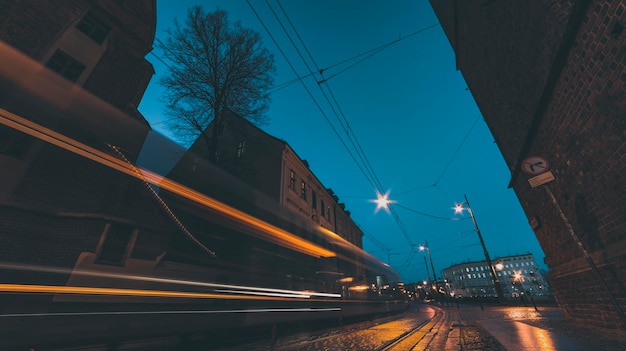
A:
[535,165]
[541,179]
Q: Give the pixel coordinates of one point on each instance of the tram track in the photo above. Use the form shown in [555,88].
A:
[410,332]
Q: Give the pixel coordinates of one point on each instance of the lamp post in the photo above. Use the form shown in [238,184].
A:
[425,247]
[496,281]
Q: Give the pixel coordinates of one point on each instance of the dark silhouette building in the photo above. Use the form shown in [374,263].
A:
[272,166]
[99,45]
[71,70]
[550,80]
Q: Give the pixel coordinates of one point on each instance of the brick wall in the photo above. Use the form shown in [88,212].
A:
[122,74]
[508,52]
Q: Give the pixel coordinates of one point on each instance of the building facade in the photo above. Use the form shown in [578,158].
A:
[272,166]
[99,45]
[517,275]
[550,80]
[71,72]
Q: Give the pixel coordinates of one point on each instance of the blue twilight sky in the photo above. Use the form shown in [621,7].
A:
[409,110]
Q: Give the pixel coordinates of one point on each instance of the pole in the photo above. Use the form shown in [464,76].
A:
[431,265]
[427,271]
[496,281]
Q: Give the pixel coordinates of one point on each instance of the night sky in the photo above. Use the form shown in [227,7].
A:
[407,107]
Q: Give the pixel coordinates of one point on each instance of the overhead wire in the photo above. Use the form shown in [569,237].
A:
[371,176]
[308,91]
[346,124]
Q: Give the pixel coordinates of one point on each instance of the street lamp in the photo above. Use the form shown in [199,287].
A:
[425,247]
[496,282]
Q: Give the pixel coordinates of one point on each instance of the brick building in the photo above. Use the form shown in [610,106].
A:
[550,80]
[59,208]
[272,166]
[99,45]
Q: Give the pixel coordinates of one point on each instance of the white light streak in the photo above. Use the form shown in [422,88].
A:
[260,310]
[293,293]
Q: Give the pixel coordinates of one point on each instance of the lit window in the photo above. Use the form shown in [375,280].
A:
[65,65]
[241,148]
[303,190]
[93,28]
[292,180]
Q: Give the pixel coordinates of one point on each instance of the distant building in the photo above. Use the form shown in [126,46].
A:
[516,274]
[272,166]
[549,78]
[99,45]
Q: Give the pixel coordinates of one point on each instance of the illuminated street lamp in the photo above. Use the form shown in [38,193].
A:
[496,282]
[382,201]
[425,248]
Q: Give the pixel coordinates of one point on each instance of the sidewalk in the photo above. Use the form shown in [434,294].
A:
[496,328]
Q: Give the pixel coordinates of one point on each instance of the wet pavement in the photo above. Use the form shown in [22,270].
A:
[497,328]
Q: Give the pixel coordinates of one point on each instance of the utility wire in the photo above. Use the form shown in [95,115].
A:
[369,53]
[373,239]
[371,175]
[457,150]
[308,91]
[376,50]
[429,215]
[366,172]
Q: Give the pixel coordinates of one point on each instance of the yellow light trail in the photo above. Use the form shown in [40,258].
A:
[253,310]
[263,229]
[82,290]
[242,289]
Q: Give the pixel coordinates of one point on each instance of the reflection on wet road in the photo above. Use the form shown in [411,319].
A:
[506,324]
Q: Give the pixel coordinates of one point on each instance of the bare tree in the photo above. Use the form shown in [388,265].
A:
[214,66]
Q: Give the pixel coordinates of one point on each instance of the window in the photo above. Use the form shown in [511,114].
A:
[93,28]
[115,244]
[241,148]
[322,208]
[303,190]
[292,180]
[314,200]
[65,65]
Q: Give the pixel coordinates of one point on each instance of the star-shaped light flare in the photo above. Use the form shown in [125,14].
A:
[458,209]
[382,202]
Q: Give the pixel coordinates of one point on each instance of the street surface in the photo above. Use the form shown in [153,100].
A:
[468,327]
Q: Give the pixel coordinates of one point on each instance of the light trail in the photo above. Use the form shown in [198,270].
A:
[82,290]
[293,293]
[261,228]
[258,310]
[302,296]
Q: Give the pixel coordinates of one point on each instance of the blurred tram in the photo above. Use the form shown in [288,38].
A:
[108,228]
